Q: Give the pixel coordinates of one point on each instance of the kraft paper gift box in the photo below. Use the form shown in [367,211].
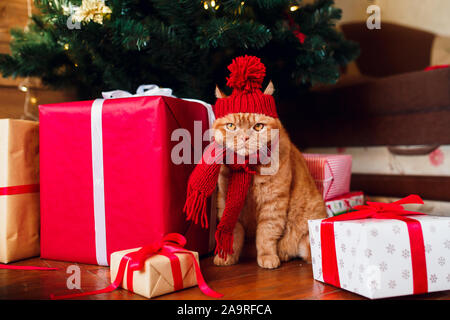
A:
[344,203]
[19,189]
[380,258]
[108,182]
[154,269]
[331,173]
[156,277]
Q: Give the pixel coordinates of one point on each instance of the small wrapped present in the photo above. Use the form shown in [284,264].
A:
[331,173]
[108,180]
[344,203]
[159,274]
[154,270]
[19,189]
[382,250]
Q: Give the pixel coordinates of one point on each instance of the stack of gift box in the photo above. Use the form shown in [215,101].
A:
[332,175]
[377,250]
[94,182]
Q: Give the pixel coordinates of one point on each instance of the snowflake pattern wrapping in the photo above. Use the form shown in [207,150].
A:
[378,262]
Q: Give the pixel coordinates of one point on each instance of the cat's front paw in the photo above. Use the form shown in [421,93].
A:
[269,261]
[283,256]
[230,260]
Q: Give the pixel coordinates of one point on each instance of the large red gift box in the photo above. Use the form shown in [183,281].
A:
[107,179]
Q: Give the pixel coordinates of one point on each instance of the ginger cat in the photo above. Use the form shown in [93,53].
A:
[278,205]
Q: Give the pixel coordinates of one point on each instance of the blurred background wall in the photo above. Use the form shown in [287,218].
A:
[428,15]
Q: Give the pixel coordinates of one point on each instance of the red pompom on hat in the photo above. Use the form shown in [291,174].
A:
[246,77]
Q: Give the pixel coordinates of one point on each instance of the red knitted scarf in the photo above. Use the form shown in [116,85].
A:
[201,185]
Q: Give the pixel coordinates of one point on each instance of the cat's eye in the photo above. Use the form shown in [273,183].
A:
[231,126]
[258,127]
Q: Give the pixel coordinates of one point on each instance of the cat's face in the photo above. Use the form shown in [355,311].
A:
[245,133]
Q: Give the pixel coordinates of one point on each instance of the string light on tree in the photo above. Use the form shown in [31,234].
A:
[295,5]
[23,88]
[211,4]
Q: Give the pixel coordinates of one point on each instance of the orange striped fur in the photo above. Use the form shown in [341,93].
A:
[277,206]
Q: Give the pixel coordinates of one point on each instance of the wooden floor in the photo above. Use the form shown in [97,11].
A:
[293,280]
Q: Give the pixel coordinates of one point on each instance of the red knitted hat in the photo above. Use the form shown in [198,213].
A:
[247,75]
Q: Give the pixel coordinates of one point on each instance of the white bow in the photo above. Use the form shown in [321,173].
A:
[154,90]
[142,90]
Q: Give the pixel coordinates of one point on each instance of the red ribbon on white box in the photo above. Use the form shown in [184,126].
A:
[377,210]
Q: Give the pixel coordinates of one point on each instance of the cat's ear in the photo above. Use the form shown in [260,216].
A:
[220,94]
[269,89]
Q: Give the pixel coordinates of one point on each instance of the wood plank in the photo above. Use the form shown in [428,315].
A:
[13,14]
[248,281]
[12,100]
[33,83]
[428,187]
[293,280]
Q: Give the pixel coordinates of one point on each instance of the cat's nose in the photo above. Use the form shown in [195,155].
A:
[246,138]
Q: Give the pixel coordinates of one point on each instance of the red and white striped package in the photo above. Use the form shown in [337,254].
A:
[331,173]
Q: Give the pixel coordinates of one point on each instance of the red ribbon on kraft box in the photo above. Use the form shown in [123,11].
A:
[26,188]
[378,210]
[14,190]
[172,243]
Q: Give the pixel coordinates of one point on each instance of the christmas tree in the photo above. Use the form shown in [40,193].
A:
[96,45]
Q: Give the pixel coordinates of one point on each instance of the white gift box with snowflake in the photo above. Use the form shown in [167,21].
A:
[373,256]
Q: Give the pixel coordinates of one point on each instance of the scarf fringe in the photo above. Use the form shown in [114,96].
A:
[224,242]
[195,208]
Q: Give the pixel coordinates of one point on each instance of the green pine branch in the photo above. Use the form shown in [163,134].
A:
[178,44]
[223,33]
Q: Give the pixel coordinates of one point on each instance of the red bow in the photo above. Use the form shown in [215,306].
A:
[378,210]
[172,243]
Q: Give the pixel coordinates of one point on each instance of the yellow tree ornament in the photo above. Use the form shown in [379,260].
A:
[93,10]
